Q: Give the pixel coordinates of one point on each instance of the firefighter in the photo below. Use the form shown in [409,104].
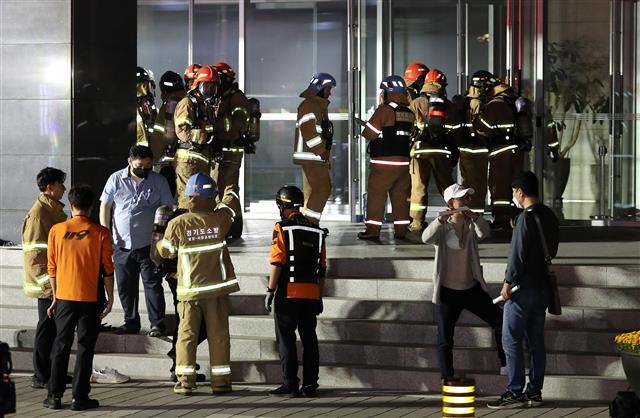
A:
[434,146]
[313,140]
[298,265]
[190,75]
[194,120]
[146,111]
[164,140]
[205,279]
[389,133]
[414,76]
[232,123]
[474,149]
[496,123]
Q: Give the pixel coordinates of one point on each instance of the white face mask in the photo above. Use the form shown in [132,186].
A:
[518,204]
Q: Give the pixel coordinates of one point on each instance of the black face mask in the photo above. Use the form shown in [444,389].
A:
[140,172]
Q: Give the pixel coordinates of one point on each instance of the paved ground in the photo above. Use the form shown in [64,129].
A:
[156,399]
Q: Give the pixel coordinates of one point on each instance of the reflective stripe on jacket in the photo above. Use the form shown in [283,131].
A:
[197,239]
[44,213]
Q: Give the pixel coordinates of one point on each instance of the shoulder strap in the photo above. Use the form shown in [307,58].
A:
[547,257]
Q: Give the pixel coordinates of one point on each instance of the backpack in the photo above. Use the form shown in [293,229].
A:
[625,405]
[7,387]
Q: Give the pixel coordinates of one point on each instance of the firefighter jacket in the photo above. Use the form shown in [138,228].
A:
[146,113]
[429,142]
[496,122]
[44,213]
[197,239]
[164,139]
[298,247]
[469,140]
[232,119]
[310,135]
[194,123]
[389,131]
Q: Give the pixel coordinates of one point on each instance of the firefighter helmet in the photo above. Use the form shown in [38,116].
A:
[436,76]
[171,81]
[321,80]
[289,197]
[225,70]
[393,84]
[414,71]
[190,73]
[201,185]
[484,80]
[142,75]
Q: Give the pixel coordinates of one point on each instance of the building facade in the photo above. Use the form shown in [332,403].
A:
[68,85]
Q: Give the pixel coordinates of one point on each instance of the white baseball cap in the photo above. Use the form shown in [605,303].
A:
[456,190]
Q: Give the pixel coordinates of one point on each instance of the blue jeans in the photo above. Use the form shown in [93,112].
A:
[524,316]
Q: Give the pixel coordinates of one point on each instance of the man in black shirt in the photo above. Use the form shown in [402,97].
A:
[524,310]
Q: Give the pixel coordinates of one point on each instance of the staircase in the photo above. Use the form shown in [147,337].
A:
[378,326]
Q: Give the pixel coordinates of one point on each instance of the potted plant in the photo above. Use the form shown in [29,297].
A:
[576,94]
[629,346]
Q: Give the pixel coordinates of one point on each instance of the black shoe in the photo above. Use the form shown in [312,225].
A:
[532,401]
[84,404]
[52,402]
[372,236]
[123,329]
[199,377]
[156,331]
[308,391]
[37,384]
[285,392]
[508,400]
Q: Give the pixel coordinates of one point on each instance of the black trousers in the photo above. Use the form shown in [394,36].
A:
[452,302]
[130,266]
[286,324]
[85,316]
[173,286]
[45,335]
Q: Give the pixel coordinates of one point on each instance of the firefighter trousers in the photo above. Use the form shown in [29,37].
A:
[420,170]
[316,187]
[226,173]
[473,169]
[392,180]
[214,311]
[185,168]
[505,164]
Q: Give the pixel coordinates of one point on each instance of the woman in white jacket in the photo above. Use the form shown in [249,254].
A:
[458,282]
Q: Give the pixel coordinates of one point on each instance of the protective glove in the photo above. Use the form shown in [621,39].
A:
[268,299]
[553,154]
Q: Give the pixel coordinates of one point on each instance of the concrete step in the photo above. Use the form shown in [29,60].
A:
[394,265]
[146,366]
[401,355]
[374,332]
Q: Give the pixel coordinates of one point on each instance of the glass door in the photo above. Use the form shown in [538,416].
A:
[285,44]
[590,83]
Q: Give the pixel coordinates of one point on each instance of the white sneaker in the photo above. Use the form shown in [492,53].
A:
[108,375]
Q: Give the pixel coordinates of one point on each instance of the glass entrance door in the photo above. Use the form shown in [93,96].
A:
[590,83]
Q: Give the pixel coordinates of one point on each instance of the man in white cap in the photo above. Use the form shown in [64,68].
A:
[457,274]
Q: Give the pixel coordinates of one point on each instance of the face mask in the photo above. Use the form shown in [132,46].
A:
[140,172]
[518,204]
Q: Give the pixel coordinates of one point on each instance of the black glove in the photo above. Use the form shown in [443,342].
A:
[553,154]
[268,299]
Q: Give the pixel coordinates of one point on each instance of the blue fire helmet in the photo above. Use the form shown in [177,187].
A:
[201,185]
[393,84]
[320,81]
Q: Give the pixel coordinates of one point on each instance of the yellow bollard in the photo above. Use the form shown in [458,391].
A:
[458,398]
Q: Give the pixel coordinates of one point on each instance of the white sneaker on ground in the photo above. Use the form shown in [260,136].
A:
[108,375]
